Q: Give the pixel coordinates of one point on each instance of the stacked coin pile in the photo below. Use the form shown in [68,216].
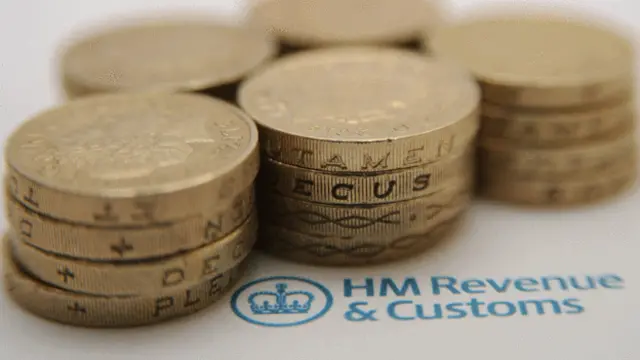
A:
[366,152]
[558,116]
[190,55]
[129,209]
[303,25]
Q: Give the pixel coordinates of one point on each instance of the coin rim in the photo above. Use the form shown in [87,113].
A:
[247,231]
[63,231]
[32,288]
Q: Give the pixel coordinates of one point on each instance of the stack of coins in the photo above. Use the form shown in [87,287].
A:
[129,209]
[304,25]
[558,116]
[190,55]
[365,153]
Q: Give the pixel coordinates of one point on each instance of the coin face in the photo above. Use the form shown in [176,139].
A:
[319,22]
[536,51]
[132,145]
[359,94]
[169,56]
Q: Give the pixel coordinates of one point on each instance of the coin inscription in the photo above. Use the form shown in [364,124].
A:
[366,161]
[104,311]
[386,187]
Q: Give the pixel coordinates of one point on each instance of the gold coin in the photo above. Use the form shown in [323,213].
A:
[138,277]
[539,60]
[122,160]
[555,128]
[375,223]
[329,188]
[337,22]
[167,56]
[84,310]
[361,109]
[589,190]
[323,250]
[557,162]
[129,243]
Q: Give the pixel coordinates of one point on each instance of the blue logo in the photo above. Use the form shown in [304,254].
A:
[281,301]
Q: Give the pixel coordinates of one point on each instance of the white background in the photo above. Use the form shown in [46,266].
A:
[497,241]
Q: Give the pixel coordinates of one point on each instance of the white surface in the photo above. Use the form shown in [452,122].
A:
[497,242]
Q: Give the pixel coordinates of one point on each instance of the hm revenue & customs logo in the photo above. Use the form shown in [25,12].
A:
[281,301]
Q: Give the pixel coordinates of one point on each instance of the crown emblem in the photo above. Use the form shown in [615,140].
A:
[280,301]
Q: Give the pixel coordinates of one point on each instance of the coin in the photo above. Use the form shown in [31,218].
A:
[164,56]
[556,162]
[598,187]
[558,127]
[376,223]
[575,169]
[539,60]
[102,311]
[323,250]
[361,109]
[128,243]
[136,159]
[336,22]
[138,277]
[388,187]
